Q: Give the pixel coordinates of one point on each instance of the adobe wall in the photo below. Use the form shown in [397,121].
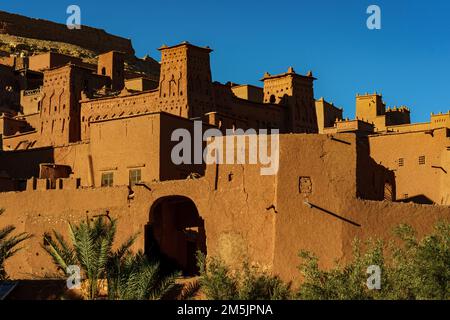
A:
[423,182]
[321,171]
[117,107]
[52,60]
[263,218]
[87,37]
[29,103]
[24,164]
[118,146]
[18,141]
[379,218]
[225,209]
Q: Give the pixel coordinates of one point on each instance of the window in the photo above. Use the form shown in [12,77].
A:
[401,162]
[135,176]
[107,179]
[421,160]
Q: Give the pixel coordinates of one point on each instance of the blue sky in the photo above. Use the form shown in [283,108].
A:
[408,60]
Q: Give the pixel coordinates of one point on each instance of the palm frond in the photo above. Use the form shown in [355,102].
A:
[61,253]
[190,291]
[6,231]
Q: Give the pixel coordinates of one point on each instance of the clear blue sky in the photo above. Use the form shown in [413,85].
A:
[408,60]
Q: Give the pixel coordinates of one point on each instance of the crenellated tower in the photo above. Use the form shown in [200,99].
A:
[295,93]
[185,85]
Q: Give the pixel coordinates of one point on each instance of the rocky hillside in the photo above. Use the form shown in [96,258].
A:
[26,36]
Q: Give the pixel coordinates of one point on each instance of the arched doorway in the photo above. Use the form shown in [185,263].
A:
[178,231]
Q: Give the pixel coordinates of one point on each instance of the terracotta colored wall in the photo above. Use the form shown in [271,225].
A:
[249,92]
[427,181]
[24,164]
[138,142]
[51,60]
[107,108]
[263,218]
[30,103]
[327,114]
[118,146]
[141,84]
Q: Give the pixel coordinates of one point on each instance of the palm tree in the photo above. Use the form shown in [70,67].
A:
[136,278]
[8,245]
[129,276]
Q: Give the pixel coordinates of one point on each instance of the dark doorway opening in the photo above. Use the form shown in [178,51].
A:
[176,232]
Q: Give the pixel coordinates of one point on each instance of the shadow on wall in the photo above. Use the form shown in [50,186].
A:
[374,181]
[19,166]
[419,199]
[24,164]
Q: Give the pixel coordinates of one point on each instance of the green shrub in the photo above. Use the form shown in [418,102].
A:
[415,270]
[218,282]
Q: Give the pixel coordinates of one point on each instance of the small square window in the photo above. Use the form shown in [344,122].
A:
[107,179]
[421,160]
[401,162]
[135,176]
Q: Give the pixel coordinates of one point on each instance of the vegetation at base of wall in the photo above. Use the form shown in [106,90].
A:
[9,245]
[417,269]
[128,275]
[219,282]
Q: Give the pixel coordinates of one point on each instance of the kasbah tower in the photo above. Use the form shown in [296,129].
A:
[88,137]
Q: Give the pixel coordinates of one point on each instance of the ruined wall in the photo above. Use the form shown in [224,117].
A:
[87,37]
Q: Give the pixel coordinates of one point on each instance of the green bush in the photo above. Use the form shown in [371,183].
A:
[218,282]
[415,270]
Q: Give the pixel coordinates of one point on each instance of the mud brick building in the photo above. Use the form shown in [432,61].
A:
[81,139]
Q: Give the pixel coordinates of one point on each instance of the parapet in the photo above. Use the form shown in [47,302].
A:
[53,184]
